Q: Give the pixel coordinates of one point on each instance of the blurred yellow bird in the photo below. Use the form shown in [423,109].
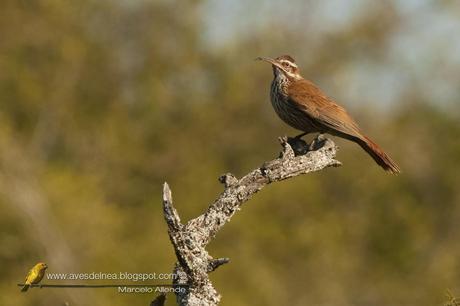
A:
[35,275]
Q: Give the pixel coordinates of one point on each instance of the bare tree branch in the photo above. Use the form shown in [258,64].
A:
[189,240]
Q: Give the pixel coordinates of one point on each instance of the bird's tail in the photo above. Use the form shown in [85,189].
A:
[24,289]
[380,157]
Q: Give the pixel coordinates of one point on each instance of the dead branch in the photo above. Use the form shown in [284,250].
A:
[189,240]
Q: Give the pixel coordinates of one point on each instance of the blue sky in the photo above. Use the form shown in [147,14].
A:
[424,52]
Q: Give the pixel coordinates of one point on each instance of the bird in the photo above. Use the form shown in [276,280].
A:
[305,107]
[35,275]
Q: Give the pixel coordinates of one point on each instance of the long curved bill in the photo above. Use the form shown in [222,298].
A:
[269,60]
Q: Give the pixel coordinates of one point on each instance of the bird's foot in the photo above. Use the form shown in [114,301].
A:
[318,142]
[298,145]
[301,135]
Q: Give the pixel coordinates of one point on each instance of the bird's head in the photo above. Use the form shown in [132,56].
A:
[283,66]
[42,265]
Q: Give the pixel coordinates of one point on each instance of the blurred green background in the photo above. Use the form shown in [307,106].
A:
[102,101]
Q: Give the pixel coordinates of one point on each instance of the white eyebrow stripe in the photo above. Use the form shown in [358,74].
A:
[289,62]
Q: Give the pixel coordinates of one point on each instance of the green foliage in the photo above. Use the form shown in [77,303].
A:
[103,101]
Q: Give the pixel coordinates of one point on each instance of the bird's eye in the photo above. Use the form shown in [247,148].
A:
[285,64]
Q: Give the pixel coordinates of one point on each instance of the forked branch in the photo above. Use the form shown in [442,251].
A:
[189,240]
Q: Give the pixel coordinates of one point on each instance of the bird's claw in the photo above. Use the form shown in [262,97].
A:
[298,145]
[318,142]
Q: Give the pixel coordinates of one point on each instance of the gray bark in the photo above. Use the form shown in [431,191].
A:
[190,240]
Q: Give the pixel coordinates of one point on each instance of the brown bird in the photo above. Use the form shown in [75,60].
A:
[302,105]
